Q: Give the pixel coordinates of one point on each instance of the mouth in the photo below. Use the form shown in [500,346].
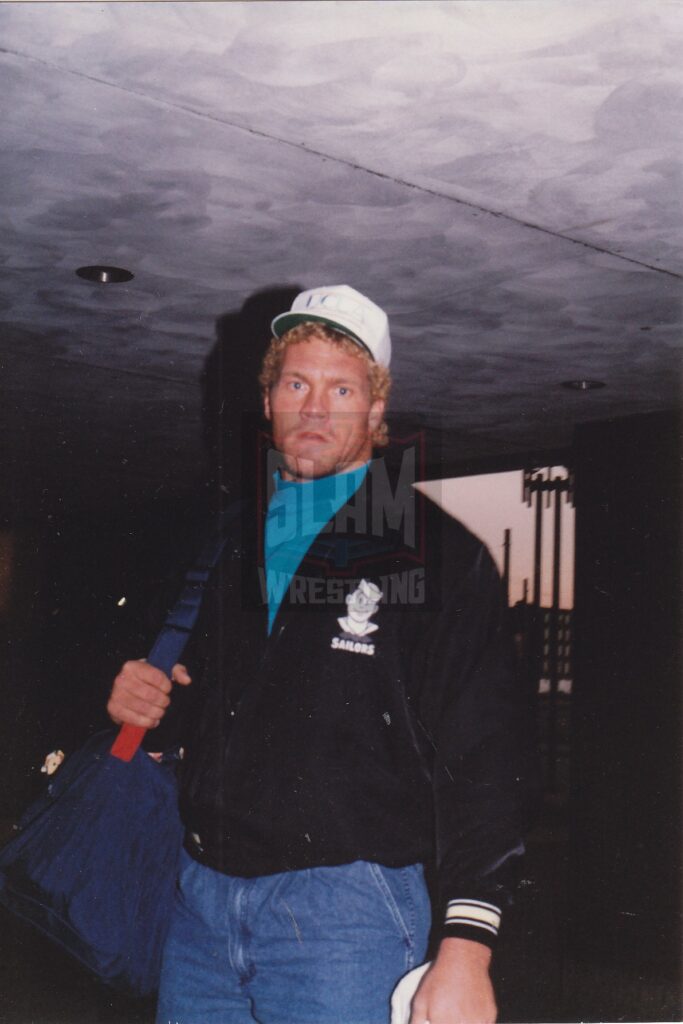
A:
[312,435]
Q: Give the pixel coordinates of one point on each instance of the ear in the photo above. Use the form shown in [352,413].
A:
[266,404]
[376,413]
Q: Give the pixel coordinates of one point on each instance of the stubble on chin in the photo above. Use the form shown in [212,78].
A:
[301,467]
[308,469]
[300,464]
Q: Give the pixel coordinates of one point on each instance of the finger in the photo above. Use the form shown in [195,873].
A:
[139,671]
[130,717]
[180,675]
[137,693]
[417,1014]
[151,675]
[131,700]
[134,714]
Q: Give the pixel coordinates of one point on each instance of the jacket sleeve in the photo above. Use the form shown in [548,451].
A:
[470,707]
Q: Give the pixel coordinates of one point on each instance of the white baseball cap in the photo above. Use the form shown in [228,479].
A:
[347,311]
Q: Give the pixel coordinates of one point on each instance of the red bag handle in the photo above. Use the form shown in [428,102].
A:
[127,742]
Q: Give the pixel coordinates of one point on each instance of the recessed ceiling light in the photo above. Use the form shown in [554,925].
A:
[105,275]
[583,385]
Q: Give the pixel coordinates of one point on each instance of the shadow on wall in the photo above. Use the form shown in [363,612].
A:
[231,407]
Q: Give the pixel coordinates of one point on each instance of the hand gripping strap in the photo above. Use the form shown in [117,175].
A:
[175,632]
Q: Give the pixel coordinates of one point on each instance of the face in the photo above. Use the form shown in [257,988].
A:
[321,411]
[360,607]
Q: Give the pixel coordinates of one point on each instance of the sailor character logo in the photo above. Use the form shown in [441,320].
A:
[361,605]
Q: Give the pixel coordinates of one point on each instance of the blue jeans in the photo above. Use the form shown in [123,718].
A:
[320,946]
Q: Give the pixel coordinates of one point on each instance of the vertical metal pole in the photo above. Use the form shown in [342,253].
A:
[535,661]
[557,543]
[554,637]
[538,538]
[506,565]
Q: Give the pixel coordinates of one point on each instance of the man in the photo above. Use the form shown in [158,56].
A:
[341,736]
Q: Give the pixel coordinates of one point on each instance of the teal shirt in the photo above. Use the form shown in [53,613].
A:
[297,513]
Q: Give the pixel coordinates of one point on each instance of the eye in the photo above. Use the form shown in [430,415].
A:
[343,390]
[296,385]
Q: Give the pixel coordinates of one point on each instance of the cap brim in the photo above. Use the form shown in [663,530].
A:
[285,321]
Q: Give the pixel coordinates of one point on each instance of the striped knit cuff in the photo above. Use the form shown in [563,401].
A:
[472,919]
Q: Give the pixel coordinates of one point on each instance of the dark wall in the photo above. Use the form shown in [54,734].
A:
[626,803]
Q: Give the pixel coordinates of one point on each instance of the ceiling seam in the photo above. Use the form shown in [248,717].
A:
[343,161]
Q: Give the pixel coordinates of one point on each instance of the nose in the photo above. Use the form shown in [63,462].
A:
[315,405]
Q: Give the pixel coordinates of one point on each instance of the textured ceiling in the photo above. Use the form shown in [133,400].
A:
[503,176]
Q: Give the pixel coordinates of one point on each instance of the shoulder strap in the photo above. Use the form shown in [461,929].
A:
[179,623]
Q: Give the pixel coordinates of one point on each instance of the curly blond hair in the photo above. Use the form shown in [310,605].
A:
[378,376]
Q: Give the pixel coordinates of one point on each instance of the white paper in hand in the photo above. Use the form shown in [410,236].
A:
[403,995]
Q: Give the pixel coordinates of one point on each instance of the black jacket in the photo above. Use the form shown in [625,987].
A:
[318,747]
